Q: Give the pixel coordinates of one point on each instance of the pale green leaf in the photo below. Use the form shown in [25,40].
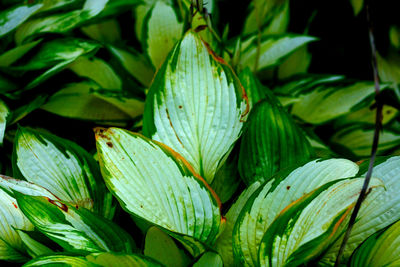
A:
[159,246]
[357,6]
[60,260]
[305,228]
[33,247]
[74,228]
[62,167]
[209,259]
[4,111]
[296,63]
[380,209]
[107,31]
[119,259]
[11,185]
[13,17]
[12,55]
[196,106]
[161,31]
[273,196]
[380,249]
[155,183]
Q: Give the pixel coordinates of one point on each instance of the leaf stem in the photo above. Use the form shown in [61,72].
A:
[378,127]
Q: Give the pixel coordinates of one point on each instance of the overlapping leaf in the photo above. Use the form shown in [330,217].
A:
[273,196]
[271,141]
[62,167]
[153,182]
[305,228]
[4,111]
[196,106]
[74,228]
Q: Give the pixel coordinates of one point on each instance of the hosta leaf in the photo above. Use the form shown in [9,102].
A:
[271,142]
[74,228]
[209,259]
[305,228]
[113,259]
[322,103]
[107,31]
[11,218]
[273,196]
[135,64]
[4,111]
[161,247]
[273,50]
[296,63]
[13,17]
[357,6]
[11,185]
[6,85]
[380,209]
[62,167]
[33,247]
[254,89]
[380,249]
[161,31]
[12,55]
[60,260]
[24,110]
[224,242]
[86,101]
[196,106]
[357,139]
[98,71]
[153,182]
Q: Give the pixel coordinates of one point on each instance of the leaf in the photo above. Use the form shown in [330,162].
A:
[209,259]
[322,103]
[196,106]
[273,50]
[11,218]
[161,31]
[74,228]
[357,6]
[295,64]
[161,247]
[4,111]
[11,185]
[33,247]
[357,139]
[60,260]
[98,71]
[107,31]
[223,245]
[113,259]
[62,167]
[24,110]
[135,64]
[271,142]
[305,228]
[6,85]
[153,182]
[86,101]
[380,209]
[254,89]
[12,55]
[273,196]
[13,17]
[380,249]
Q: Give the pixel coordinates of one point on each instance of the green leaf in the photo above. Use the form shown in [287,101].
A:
[161,32]
[106,32]
[153,182]
[11,185]
[135,64]
[11,218]
[273,196]
[74,228]
[380,249]
[6,85]
[24,110]
[196,106]
[357,6]
[98,71]
[33,247]
[60,260]
[4,111]
[305,228]
[86,101]
[15,16]
[296,63]
[114,259]
[224,242]
[273,50]
[380,209]
[159,246]
[254,89]
[271,142]
[62,167]
[357,138]
[12,55]
[209,259]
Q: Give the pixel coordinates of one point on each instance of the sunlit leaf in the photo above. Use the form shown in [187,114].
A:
[273,196]
[62,167]
[60,260]
[74,228]
[4,111]
[153,182]
[209,259]
[196,106]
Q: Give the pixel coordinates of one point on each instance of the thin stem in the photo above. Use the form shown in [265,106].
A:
[378,127]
